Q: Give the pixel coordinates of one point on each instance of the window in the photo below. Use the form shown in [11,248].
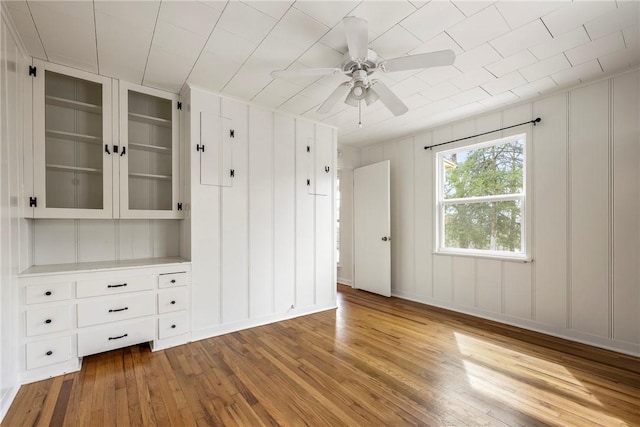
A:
[481,199]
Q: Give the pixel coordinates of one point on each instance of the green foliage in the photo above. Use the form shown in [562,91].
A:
[487,171]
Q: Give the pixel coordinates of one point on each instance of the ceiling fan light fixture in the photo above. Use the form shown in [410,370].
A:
[351,100]
[371,96]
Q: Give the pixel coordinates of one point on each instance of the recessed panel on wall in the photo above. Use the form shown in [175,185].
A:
[405,198]
[489,285]
[442,279]
[423,214]
[464,281]
[325,232]
[517,289]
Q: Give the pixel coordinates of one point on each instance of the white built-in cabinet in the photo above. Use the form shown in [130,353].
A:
[216,149]
[100,152]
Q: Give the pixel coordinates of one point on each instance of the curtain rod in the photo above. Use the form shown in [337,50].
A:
[534,121]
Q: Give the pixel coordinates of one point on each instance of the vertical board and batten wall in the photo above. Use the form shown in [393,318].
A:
[583,207]
[13,227]
[262,249]
[348,160]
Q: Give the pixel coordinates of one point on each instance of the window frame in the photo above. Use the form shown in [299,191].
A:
[523,198]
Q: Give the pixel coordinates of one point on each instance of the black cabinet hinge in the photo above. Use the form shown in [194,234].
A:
[115,148]
[179,206]
[179,105]
[32,70]
[232,133]
[33,202]
[308,183]
[232,173]
[308,149]
[200,147]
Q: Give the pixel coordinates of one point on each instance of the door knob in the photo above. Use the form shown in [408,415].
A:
[385,238]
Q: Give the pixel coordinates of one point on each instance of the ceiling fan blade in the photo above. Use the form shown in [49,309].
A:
[305,72]
[388,98]
[357,32]
[338,94]
[423,60]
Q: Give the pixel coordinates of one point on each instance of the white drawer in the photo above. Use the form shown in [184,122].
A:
[99,339]
[172,280]
[173,325]
[117,308]
[49,319]
[48,352]
[94,288]
[35,294]
[172,300]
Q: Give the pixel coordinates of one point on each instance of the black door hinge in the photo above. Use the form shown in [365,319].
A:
[308,149]
[179,206]
[179,105]
[308,183]
[200,148]
[232,173]
[232,133]
[33,202]
[32,70]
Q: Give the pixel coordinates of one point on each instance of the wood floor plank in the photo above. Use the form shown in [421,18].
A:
[373,361]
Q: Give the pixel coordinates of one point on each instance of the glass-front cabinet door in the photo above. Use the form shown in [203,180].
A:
[73,155]
[149,153]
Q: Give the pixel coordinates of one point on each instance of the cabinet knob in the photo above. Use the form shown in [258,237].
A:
[47,321]
[173,302]
[49,353]
[173,326]
[48,293]
[173,280]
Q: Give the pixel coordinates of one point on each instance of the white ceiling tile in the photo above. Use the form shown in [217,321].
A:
[245,21]
[321,56]
[329,15]
[596,48]
[248,81]
[166,70]
[432,19]
[395,42]
[77,10]
[208,74]
[229,47]
[632,36]
[499,100]
[621,59]
[419,3]
[278,89]
[479,28]
[504,83]
[476,58]
[467,97]
[518,13]
[471,7]
[440,42]
[534,88]
[441,91]
[136,14]
[215,4]
[382,15]
[416,101]
[178,41]
[577,13]
[626,15]
[472,78]
[297,29]
[298,105]
[520,39]
[409,87]
[560,43]
[335,39]
[275,9]
[585,71]
[304,81]
[512,63]
[26,28]
[545,67]
[436,75]
[193,16]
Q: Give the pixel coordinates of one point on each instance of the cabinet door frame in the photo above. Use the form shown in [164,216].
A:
[125,212]
[39,144]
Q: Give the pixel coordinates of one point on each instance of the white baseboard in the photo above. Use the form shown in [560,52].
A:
[630,349]
[46,372]
[347,282]
[7,399]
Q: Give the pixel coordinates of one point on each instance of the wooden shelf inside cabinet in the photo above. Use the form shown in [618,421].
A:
[74,136]
[150,120]
[150,176]
[148,147]
[63,168]
[75,105]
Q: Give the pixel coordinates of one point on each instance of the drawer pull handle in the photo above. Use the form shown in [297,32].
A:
[48,293]
[113,310]
[173,326]
[116,286]
[173,302]
[117,338]
[49,353]
[173,280]
[47,321]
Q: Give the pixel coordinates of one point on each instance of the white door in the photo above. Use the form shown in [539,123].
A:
[372,228]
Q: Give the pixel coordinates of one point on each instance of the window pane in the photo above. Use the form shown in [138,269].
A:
[485,171]
[495,226]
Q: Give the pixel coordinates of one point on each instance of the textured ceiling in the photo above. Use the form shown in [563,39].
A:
[506,50]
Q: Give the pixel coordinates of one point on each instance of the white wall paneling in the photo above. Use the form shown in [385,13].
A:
[583,208]
[348,159]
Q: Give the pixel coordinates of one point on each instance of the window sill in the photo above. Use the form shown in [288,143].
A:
[485,256]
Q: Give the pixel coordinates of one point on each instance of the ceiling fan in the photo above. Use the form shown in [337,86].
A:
[360,63]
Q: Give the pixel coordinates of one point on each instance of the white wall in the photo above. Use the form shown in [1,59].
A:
[348,160]
[13,69]
[584,282]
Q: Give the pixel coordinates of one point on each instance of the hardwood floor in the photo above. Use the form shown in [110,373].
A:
[374,361]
